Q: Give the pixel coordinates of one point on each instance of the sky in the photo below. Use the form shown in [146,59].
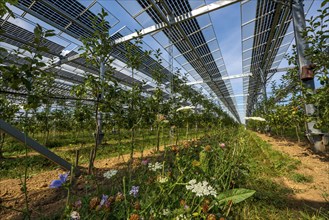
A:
[226,27]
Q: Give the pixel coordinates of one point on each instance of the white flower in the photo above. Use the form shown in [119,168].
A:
[110,173]
[181,217]
[201,189]
[155,167]
[75,215]
[166,212]
[185,108]
[162,179]
[192,182]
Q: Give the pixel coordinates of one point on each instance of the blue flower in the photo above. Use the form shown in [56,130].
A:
[134,191]
[104,199]
[58,183]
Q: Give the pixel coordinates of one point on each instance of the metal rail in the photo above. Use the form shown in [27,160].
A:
[20,136]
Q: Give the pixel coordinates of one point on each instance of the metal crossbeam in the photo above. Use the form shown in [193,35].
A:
[193,14]
[220,78]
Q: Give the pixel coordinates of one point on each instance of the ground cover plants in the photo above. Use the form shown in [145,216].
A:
[221,176]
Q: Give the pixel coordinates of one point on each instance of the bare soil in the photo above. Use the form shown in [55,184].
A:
[315,193]
[44,201]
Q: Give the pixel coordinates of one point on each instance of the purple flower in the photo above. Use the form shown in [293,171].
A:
[104,199]
[77,204]
[134,191]
[145,162]
[222,145]
[58,183]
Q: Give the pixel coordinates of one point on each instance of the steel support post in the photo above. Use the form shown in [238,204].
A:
[262,76]
[314,135]
[171,52]
[20,136]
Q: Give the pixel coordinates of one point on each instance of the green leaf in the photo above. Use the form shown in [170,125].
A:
[324,3]
[235,195]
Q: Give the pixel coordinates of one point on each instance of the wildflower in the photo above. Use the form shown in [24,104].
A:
[205,208]
[94,202]
[134,217]
[222,145]
[110,173]
[119,197]
[58,183]
[181,217]
[166,212]
[186,144]
[111,199]
[134,191]
[77,204]
[195,163]
[75,215]
[107,204]
[155,167]
[160,117]
[145,162]
[207,148]
[162,179]
[137,205]
[182,202]
[211,217]
[104,199]
[174,148]
[201,188]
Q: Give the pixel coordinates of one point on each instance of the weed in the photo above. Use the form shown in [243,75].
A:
[301,178]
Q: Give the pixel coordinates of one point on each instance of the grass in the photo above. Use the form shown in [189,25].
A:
[257,167]
[301,178]
[271,200]
[65,146]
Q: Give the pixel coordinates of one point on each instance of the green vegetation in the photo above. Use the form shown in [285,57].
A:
[287,119]
[300,178]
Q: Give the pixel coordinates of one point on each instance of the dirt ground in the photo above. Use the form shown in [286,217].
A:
[315,193]
[45,201]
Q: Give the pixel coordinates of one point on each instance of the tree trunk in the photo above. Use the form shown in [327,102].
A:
[187,127]
[94,150]
[158,138]
[177,135]
[132,144]
[2,141]
[296,129]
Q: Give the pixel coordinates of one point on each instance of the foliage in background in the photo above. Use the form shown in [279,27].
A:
[285,116]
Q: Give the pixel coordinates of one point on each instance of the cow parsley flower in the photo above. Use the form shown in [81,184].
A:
[166,212]
[155,167]
[162,179]
[58,183]
[110,173]
[201,188]
[75,215]
[181,217]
